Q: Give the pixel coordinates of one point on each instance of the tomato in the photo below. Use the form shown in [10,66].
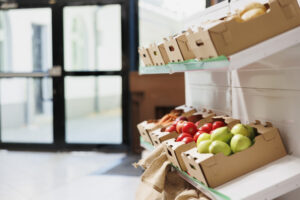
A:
[197,135]
[182,135]
[189,127]
[206,127]
[171,128]
[187,140]
[179,126]
[218,124]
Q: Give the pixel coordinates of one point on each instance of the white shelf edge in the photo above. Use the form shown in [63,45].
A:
[268,182]
[264,49]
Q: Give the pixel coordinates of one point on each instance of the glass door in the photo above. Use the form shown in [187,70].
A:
[93,83]
[64,74]
[26,106]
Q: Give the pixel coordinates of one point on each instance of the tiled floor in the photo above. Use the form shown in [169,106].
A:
[67,176]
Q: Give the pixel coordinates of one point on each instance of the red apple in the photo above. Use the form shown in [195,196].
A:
[182,135]
[189,127]
[187,140]
[171,128]
[181,118]
[197,135]
[206,127]
[179,126]
[218,124]
[197,123]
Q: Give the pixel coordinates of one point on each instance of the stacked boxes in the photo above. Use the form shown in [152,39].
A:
[231,34]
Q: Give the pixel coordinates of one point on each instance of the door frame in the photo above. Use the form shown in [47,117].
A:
[129,37]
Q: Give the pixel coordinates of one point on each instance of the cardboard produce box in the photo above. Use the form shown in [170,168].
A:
[145,56]
[155,55]
[146,127]
[201,44]
[215,170]
[229,36]
[174,150]
[160,135]
[202,117]
[184,47]
[187,110]
[163,53]
[229,121]
[172,49]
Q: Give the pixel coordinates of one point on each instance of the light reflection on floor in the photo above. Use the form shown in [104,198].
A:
[67,176]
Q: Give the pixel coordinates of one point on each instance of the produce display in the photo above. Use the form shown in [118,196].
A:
[200,143]
[217,138]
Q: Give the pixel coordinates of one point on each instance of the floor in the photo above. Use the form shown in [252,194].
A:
[103,127]
[67,176]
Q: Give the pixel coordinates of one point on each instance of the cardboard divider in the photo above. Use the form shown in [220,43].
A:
[174,149]
[201,44]
[172,49]
[229,121]
[160,135]
[156,55]
[202,117]
[187,110]
[215,170]
[146,127]
[184,47]
[163,53]
[144,54]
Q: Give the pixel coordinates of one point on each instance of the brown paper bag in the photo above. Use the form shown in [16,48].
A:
[160,183]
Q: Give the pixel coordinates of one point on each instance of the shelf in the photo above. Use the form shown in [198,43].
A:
[265,49]
[219,63]
[236,61]
[268,182]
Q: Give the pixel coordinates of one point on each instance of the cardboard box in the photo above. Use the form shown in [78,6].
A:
[160,135]
[163,53]
[184,47]
[146,127]
[226,37]
[155,55]
[202,117]
[215,170]
[201,44]
[145,56]
[229,121]
[174,150]
[232,36]
[172,49]
[187,110]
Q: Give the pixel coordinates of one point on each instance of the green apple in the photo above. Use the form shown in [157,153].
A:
[240,129]
[219,147]
[203,146]
[202,137]
[239,143]
[222,134]
[252,131]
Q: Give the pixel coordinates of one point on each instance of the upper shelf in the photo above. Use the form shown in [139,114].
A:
[239,60]
[268,182]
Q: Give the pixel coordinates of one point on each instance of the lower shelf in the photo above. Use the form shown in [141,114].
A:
[268,182]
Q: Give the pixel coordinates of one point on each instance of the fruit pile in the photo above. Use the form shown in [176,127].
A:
[217,138]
